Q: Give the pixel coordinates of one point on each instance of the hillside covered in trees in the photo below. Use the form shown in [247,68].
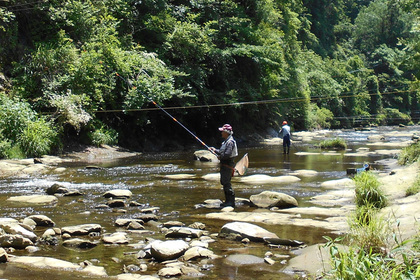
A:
[316,63]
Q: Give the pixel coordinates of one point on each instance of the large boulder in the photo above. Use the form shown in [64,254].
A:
[168,250]
[268,199]
[241,230]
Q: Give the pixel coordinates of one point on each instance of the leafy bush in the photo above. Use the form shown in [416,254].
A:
[38,138]
[319,117]
[336,143]
[14,115]
[24,134]
[5,146]
[394,116]
[409,154]
[103,136]
[368,192]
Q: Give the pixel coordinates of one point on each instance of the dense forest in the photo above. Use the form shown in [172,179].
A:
[253,64]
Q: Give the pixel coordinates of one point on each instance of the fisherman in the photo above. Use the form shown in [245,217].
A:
[285,134]
[227,152]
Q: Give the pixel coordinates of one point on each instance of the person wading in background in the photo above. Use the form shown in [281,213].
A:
[285,134]
[226,154]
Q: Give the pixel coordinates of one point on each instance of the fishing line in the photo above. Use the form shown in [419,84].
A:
[172,117]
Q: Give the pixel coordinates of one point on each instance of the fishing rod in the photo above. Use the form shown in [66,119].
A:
[172,117]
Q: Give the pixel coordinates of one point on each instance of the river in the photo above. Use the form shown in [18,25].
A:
[145,174]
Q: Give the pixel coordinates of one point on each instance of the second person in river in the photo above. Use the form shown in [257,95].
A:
[285,134]
[226,154]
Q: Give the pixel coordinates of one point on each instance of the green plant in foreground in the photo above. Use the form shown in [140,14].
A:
[368,192]
[336,143]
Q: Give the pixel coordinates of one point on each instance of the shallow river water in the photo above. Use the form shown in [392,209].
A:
[144,176]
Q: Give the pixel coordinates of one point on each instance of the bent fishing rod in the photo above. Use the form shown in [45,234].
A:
[166,112]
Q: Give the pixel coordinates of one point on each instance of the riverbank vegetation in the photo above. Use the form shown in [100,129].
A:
[409,154]
[375,249]
[317,64]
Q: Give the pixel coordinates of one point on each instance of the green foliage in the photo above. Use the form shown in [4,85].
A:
[319,117]
[409,154]
[350,59]
[368,193]
[24,134]
[70,110]
[103,136]
[14,116]
[336,143]
[38,138]
[400,263]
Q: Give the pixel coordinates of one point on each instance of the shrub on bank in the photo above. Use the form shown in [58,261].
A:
[409,154]
[23,132]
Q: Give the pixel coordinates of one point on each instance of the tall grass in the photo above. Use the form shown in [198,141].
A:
[402,262]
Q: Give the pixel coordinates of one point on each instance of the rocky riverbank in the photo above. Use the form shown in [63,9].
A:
[330,212]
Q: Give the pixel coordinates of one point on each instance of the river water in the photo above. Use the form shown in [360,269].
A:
[144,176]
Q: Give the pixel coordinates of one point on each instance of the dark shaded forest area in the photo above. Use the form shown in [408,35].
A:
[316,63]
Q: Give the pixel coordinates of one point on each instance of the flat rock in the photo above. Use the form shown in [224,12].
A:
[266,179]
[338,184]
[180,176]
[243,259]
[34,199]
[81,229]
[304,173]
[118,194]
[56,264]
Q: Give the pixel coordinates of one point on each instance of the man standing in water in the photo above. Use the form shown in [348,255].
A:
[227,152]
[285,134]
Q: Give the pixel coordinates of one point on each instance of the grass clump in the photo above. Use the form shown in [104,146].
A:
[409,154]
[415,188]
[368,193]
[336,143]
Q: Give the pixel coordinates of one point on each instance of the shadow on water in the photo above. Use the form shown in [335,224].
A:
[145,177]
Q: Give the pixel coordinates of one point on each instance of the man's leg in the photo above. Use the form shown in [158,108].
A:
[225,178]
